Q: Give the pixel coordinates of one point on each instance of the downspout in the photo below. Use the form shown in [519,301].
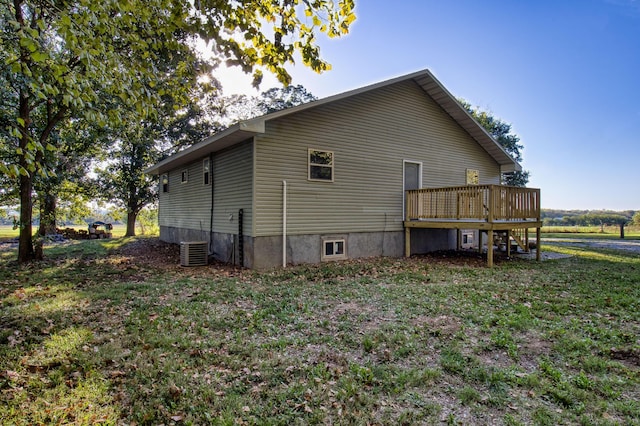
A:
[240,238]
[284,223]
[211,250]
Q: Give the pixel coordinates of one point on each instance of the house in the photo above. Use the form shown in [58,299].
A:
[331,179]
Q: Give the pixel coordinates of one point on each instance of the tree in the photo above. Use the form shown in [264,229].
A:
[148,221]
[236,108]
[67,184]
[139,142]
[621,221]
[124,180]
[602,219]
[279,98]
[501,132]
[60,57]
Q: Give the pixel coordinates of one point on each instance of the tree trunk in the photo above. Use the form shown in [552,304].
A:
[131,224]
[25,247]
[47,214]
[622,231]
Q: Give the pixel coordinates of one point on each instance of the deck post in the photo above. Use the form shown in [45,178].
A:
[538,244]
[407,242]
[508,243]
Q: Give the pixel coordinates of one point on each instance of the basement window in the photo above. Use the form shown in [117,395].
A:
[333,249]
[320,165]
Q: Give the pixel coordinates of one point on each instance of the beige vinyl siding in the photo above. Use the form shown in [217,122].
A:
[186,205]
[233,180]
[370,135]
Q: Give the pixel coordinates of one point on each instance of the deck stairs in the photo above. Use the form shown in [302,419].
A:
[519,236]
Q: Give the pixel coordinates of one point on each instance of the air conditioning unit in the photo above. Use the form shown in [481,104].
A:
[194,253]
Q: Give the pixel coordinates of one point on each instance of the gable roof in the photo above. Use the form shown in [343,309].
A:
[425,79]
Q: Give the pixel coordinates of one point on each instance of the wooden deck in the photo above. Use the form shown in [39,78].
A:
[507,211]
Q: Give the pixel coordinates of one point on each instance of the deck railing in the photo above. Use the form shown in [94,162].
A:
[474,202]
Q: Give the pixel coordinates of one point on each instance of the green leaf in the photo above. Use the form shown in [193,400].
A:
[39,56]
[28,44]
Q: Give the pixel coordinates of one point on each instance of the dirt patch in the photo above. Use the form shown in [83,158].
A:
[471,258]
[442,325]
[152,252]
[533,348]
[159,255]
[628,356]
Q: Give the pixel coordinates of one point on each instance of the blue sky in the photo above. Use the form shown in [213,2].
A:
[565,74]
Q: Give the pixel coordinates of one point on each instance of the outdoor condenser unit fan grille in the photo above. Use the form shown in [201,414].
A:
[193,253]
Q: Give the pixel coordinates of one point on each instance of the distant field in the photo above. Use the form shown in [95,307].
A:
[632,232]
[7,231]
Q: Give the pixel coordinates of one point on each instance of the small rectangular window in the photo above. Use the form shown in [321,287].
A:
[164,181]
[320,165]
[473,177]
[206,176]
[333,249]
[184,176]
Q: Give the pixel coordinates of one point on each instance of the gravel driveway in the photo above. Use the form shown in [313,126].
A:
[626,245]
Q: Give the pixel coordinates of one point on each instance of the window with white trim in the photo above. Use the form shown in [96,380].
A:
[206,176]
[334,249]
[320,165]
[184,177]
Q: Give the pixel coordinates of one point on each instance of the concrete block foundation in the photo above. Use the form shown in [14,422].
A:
[266,252]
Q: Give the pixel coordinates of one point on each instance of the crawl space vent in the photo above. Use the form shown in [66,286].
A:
[193,253]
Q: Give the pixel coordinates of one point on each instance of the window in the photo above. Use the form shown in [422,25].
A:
[468,238]
[320,165]
[333,249]
[205,172]
[184,177]
[473,177]
[164,181]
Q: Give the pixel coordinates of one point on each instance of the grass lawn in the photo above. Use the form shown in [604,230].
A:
[106,331]
[7,232]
